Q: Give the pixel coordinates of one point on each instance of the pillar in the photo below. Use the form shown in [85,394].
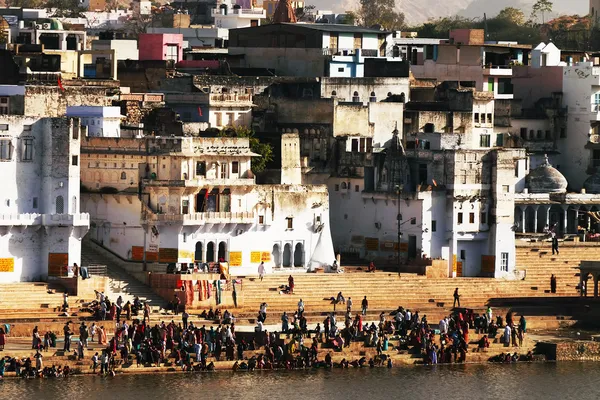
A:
[565,209]
[548,216]
[576,209]
[596,286]
[535,218]
[62,38]
[523,221]
[581,276]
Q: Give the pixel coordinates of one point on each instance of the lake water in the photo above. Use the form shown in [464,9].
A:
[523,381]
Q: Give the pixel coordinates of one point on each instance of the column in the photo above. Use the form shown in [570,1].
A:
[548,216]
[595,286]
[581,275]
[565,209]
[535,218]
[204,246]
[576,222]
[523,214]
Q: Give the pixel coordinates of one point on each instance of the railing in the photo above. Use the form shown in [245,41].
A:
[369,52]
[163,182]
[66,219]
[199,181]
[20,219]
[203,217]
[350,52]
[97,270]
[233,97]
[238,11]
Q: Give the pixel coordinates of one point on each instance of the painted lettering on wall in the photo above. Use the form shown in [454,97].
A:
[255,257]
[235,258]
[7,265]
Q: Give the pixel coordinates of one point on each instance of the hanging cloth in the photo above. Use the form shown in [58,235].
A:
[189,292]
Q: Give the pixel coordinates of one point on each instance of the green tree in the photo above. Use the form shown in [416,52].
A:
[380,12]
[541,7]
[65,8]
[512,14]
[264,149]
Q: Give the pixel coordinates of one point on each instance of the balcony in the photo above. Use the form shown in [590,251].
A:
[340,52]
[82,219]
[229,99]
[204,218]
[254,13]
[200,182]
[20,219]
[497,70]
[163,183]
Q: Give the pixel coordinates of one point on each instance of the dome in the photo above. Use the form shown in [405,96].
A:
[592,184]
[546,179]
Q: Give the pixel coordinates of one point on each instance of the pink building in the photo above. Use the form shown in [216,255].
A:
[161,46]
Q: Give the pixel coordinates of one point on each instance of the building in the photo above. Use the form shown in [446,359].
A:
[317,50]
[125,49]
[40,168]
[195,200]
[270,5]
[160,46]
[99,121]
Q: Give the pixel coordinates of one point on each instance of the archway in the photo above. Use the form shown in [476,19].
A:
[287,255]
[299,255]
[276,255]
[198,253]
[222,251]
[210,252]
[60,205]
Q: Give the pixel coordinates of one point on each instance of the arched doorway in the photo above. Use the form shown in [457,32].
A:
[276,255]
[198,254]
[210,252]
[222,251]
[287,255]
[299,255]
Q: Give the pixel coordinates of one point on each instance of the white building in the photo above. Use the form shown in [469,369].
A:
[41,225]
[99,121]
[198,202]
[125,49]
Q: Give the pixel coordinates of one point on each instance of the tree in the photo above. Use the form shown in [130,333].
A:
[264,149]
[541,7]
[380,12]
[512,14]
[65,8]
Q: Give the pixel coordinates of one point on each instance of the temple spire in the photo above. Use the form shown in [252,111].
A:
[284,12]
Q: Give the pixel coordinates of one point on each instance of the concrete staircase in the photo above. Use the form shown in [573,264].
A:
[120,282]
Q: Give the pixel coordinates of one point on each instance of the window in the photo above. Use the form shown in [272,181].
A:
[369,145]
[290,223]
[548,135]
[460,218]
[35,203]
[531,134]
[463,255]
[373,97]
[4,103]
[539,134]
[499,140]
[482,118]
[123,176]
[429,128]
[489,118]
[219,119]
[5,150]
[356,188]
[184,237]
[3,127]
[563,133]
[235,167]
[504,262]
[476,118]
[516,169]
[471,218]
[337,188]
[200,168]
[223,171]
[341,69]
[74,160]
[75,132]
[261,219]
[27,149]
[483,218]
[26,128]
[505,189]
[524,133]
[484,141]
[60,205]
[355,97]
[434,226]
[413,221]
[355,145]
[230,119]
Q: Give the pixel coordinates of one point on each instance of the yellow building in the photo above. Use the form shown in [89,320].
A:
[271,5]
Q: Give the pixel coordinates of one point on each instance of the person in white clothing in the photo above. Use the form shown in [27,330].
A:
[443,326]
[261,270]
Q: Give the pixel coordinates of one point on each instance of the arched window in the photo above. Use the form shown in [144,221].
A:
[198,252]
[60,205]
[299,255]
[333,94]
[429,128]
[402,97]
[355,97]
[210,252]
[343,185]
[123,176]
[372,97]
[287,255]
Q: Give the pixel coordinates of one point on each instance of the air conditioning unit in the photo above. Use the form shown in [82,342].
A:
[47,25]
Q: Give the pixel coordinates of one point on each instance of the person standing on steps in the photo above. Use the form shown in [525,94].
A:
[291,284]
[349,305]
[234,295]
[184,318]
[261,270]
[456,298]
[553,284]
[365,305]
[554,244]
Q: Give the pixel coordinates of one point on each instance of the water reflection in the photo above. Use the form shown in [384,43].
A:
[523,381]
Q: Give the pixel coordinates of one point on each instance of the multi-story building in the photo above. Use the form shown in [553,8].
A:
[195,200]
[41,225]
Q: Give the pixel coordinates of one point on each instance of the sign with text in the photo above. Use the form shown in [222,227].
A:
[265,256]
[235,258]
[372,244]
[7,265]
[167,255]
[255,257]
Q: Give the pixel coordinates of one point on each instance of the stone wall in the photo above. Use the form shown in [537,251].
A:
[577,351]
